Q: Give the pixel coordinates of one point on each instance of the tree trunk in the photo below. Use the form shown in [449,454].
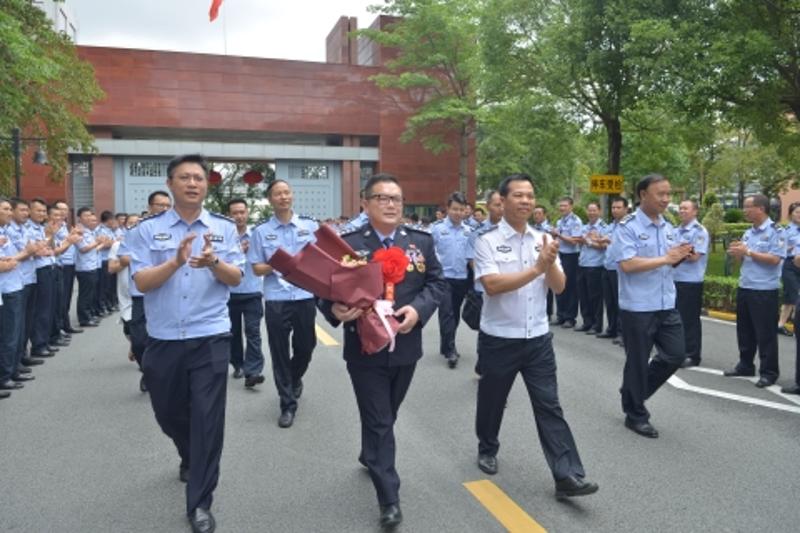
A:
[614,134]
[463,159]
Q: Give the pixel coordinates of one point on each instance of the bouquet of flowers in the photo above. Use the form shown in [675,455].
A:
[331,269]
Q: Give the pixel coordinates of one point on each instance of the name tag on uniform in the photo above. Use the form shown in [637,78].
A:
[644,236]
[670,236]
[765,238]
[445,232]
[303,233]
[162,236]
[215,238]
[271,237]
[503,249]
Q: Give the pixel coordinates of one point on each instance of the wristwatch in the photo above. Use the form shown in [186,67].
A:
[749,253]
[214,264]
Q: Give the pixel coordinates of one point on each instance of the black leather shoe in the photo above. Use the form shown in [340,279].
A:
[28,361]
[142,385]
[487,464]
[183,474]
[606,335]
[73,331]
[568,324]
[42,354]
[783,331]
[11,385]
[52,349]
[689,362]
[297,389]
[645,429]
[4,394]
[618,341]
[574,486]
[557,322]
[793,389]
[24,370]
[584,327]
[286,419]
[452,360]
[91,324]
[764,382]
[391,516]
[252,381]
[202,521]
[22,378]
[60,342]
[238,373]
[738,373]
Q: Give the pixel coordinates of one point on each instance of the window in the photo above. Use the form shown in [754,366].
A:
[315,172]
[147,169]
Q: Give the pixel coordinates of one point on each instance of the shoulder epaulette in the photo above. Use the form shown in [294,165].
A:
[603,224]
[213,214]
[778,226]
[437,222]
[627,218]
[262,221]
[412,228]
[349,231]
[149,217]
[483,231]
[307,217]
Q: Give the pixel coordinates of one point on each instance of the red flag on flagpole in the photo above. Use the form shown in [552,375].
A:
[214,11]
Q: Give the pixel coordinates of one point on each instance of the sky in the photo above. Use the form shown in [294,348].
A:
[285,29]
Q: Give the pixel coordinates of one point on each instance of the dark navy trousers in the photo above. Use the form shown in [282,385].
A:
[246,310]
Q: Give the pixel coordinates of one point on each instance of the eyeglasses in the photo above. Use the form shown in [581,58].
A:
[385,199]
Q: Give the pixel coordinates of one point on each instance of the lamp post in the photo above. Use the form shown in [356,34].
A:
[16,140]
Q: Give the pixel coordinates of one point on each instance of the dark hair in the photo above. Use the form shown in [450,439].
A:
[18,201]
[153,195]
[489,194]
[695,204]
[596,204]
[620,199]
[567,199]
[376,179]
[3,199]
[234,201]
[83,210]
[760,200]
[187,158]
[793,206]
[502,189]
[441,210]
[121,215]
[51,208]
[646,182]
[479,209]
[39,200]
[106,215]
[61,202]
[543,208]
[273,183]
[456,197]
[413,217]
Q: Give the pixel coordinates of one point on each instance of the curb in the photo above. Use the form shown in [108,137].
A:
[731,317]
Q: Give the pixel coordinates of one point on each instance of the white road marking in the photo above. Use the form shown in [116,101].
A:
[718,320]
[775,389]
[678,383]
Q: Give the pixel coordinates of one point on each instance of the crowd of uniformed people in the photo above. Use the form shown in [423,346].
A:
[192,288]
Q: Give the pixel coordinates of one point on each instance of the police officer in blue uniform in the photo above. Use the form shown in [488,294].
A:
[689,276]
[245,308]
[790,276]
[288,310]
[184,261]
[516,264]
[381,380]
[619,208]
[541,223]
[646,249]
[44,262]
[761,251]
[67,261]
[590,271]
[87,265]
[568,230]
[11,308]
[157,202]
[453,241]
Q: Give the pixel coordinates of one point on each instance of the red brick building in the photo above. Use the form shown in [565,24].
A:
[324,126]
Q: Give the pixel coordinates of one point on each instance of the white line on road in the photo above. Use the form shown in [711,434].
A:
[775,389]
[718,321]
[678,383]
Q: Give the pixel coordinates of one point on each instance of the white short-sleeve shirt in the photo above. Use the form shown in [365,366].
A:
[518,314]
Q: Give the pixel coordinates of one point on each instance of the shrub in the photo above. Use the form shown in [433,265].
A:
[733,215]
[719,293]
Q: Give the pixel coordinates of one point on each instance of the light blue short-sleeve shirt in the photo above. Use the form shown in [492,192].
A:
[251,284]
[192,303]
[589,255]
[639,236]
[20,236]
[692,271]
[767,238]
[454,247]
[267,238]
[569,226]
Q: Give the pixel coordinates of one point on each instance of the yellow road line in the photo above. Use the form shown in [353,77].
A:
[503,508]
[323,336]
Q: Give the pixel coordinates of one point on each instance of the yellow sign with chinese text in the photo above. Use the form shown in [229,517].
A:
[606,184]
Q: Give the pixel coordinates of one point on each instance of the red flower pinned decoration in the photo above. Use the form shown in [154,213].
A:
[252,177]
[394,262]
[214,177]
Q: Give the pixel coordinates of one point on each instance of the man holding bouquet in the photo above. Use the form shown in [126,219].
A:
[381,380]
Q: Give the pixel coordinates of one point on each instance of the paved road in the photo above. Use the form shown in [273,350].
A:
[82,452]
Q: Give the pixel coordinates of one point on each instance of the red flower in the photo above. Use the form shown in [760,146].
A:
[252,177]
[214,177]
[394,262]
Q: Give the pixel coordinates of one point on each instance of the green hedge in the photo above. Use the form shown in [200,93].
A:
[719,293]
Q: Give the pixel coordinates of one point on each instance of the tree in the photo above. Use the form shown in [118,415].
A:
[438,64]
[231,185]
[45,89]
[714,223]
